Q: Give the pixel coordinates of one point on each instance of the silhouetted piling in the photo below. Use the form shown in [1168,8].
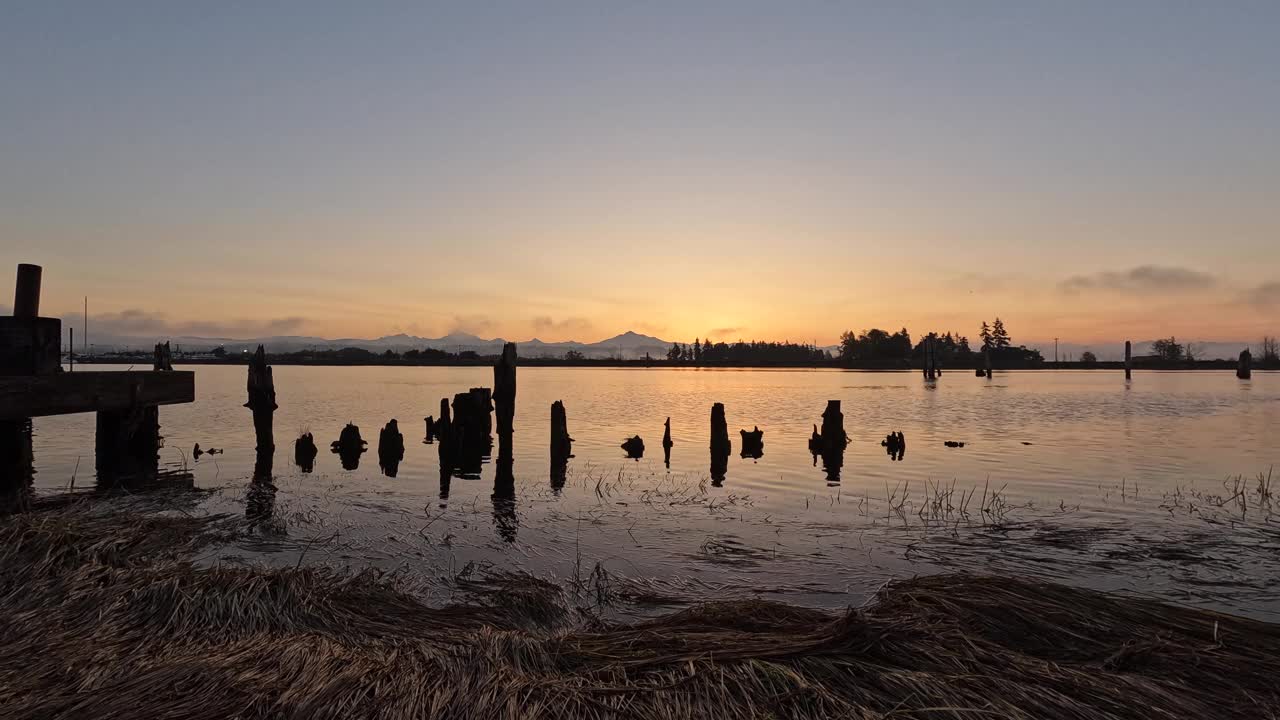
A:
[752,443]
[17,465]
[262,400]
[831,441]
[390,448]
[986,359]
[1128,360]
[349,447]
[719,431]
[634,447]
[930,359]
[561,443]
[431,430]
[305,452]
[127,444]
[895,445]
[666,443]
[26,291]
[444,434]
[162,357]
[504,390]
[471,430]
[1244,368]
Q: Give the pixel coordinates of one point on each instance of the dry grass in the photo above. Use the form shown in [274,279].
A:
[105,617]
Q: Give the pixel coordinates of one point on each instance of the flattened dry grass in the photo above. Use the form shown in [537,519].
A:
[106,617]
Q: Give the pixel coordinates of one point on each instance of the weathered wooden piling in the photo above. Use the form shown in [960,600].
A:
[561,443]
[504,390]
[832,441]
[1128,360]
[262,399]
[633,447]
[431,430]
[162,360]
[1244,368]
[930,359]
[666,443]
[349,447]
[17,463]
[444,435]
[127,444]
[390,448]
[305,451]
[719,431]
[752,443]
[470,431]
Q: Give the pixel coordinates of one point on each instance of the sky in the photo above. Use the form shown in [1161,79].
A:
[775,170]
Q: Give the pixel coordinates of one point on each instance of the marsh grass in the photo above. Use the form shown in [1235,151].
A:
[106,617]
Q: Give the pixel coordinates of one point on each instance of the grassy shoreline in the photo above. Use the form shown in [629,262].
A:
[107,616]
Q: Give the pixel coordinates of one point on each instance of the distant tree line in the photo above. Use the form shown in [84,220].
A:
[878,349]
[704,352]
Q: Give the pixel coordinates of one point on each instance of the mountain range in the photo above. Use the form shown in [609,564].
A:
[628,345]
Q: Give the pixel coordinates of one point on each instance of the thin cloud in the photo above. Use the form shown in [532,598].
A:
[726,331]
[1143,280]
[143,323]
[570,325]
[1265,296]
[473,324]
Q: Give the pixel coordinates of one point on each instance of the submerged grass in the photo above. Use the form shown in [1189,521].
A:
[106,617]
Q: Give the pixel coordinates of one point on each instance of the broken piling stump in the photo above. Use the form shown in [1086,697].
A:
[431,430]
[561,445]
[666,443]
[349,447]
[634,447]
[504,390]
[1244,368]
[390,448]
[304,452]
[719,431]
[752,443]
[1128,360]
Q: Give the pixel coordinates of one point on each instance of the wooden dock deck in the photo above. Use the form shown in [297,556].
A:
[27,396]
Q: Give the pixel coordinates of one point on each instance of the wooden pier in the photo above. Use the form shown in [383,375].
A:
[34,384]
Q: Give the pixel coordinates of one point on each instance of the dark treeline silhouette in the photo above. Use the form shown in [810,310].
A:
[879,349]
[703,352]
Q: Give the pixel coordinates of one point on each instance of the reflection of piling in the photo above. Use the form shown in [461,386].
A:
[504,500]
[1128,360]
[561,445]
[260,500]
[390,448]
[1244,369]
[262,400]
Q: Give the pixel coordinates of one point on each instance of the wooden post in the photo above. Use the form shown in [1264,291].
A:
[720,446]
[162,358]
[1244,369]
[504,390]
[390,448]
[17,465]
[666,443]
[431,430]
[349,447]
[305,451]
[127,444]
[26,293]
[1128,360]
[444,433]
[986,358]
[71,349]
[262,398]
[561,443]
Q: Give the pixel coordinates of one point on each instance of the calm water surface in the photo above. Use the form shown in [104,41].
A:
[1095,481]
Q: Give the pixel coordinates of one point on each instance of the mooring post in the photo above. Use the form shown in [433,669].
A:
[262,398]
[1244,368]
[26,293]
[1128,360]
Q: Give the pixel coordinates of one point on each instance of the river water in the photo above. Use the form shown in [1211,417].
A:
[1157,486]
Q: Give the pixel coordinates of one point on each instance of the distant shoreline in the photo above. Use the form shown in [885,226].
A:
[144,359]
